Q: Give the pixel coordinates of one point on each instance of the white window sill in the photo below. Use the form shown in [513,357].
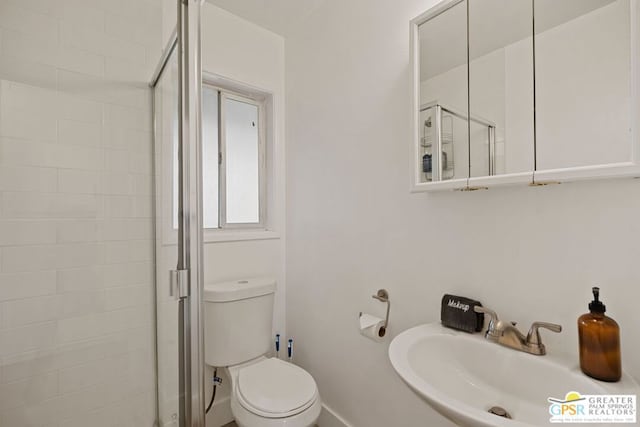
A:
[221,236]
[215,236]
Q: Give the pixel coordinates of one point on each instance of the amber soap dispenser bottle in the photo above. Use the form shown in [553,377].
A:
[599,338]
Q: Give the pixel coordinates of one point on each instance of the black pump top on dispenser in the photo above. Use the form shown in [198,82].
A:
[596,305]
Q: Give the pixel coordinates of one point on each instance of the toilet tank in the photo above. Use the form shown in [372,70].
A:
[238,318]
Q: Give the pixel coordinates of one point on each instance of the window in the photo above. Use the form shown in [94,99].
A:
[233,159]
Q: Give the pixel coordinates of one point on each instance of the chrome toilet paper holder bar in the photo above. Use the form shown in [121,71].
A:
[383,296]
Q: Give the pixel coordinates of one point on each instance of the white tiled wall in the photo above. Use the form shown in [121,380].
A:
[76,266]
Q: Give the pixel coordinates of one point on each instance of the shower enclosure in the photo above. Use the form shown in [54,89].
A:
[77,264]
[467,147]
[176,87]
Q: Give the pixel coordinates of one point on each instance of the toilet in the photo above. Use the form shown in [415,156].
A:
[265,391]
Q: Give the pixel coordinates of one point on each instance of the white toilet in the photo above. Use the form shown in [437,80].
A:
[265,392]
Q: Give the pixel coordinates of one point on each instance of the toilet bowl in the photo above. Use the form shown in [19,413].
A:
[269,392]
[265,392]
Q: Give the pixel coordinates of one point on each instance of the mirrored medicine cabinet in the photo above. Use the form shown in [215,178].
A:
[525,91]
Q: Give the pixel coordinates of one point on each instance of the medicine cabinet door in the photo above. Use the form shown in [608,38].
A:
[501,87]
[583,71]
[440,49]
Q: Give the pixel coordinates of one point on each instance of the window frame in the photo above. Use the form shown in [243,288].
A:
[259,102]
[269,227]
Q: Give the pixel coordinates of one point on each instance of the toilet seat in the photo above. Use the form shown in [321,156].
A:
[272,388]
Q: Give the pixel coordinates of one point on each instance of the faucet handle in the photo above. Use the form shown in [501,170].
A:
[485,310]
[491,333]
[533,337]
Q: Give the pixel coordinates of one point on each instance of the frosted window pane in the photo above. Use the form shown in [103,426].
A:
[242,162]
[210,157]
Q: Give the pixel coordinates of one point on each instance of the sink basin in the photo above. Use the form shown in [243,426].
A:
[463,375]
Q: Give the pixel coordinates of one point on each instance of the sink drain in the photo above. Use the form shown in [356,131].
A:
[501,412]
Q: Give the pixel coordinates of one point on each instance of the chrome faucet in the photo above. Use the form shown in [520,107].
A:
[506,333]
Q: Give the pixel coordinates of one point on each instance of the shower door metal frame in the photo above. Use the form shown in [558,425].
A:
[188,278]
[190,227]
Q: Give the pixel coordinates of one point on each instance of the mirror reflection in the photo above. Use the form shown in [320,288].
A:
[509,87]
[582,83]
[443,126]
[501,86]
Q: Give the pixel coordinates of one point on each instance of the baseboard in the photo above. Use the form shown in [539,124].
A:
[220,413]
[330,418]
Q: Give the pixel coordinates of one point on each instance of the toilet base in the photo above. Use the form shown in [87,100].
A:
[306,418]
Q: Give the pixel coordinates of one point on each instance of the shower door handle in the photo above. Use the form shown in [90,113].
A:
[179,284]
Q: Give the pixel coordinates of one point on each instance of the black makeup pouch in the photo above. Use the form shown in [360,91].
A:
[458,313]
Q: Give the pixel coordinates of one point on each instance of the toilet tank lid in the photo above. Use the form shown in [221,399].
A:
[235,290]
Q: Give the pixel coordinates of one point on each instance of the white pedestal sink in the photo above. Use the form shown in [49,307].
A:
[462,375]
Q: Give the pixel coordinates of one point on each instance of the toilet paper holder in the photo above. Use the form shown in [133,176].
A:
[383,296]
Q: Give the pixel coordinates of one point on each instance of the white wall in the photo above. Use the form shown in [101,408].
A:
[238,50]
[242,52]
[76,272]
[529,253]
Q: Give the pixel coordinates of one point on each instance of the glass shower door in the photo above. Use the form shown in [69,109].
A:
[167,307]
[178,182]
